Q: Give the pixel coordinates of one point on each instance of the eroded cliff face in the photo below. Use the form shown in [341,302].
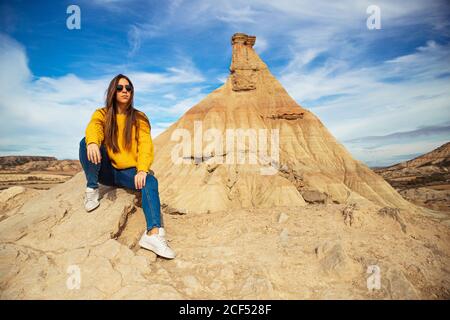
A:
[308,157]
[245,63]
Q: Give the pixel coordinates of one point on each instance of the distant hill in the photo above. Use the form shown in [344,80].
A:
[12,161]
[424,180]
[24,164]
[35,172]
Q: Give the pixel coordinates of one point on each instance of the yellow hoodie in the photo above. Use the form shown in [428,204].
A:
[141,152]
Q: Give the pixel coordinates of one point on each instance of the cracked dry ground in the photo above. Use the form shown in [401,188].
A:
[314,252]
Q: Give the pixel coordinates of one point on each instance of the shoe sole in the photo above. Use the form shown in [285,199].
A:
[151,248]
[93,208]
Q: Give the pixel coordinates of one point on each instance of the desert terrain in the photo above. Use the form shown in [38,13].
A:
[308,222]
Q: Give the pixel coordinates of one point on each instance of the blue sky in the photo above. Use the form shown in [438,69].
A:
[384,94]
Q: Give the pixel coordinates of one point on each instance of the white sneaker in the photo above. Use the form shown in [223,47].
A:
[157,244]
[91,199]
[162,232]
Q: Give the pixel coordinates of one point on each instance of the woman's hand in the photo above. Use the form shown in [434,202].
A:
[139,179]
[93,153]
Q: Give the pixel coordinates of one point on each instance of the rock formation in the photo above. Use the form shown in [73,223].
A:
[310,158]
[50,248]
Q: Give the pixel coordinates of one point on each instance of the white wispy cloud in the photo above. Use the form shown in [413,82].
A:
[400,94]
[368,102]
[48,115]
[261,45]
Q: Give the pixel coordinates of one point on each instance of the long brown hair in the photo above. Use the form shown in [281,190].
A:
[132,115]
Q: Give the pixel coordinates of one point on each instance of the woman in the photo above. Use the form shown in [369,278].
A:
[118,151]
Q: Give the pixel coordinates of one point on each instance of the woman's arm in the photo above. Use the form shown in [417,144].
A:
[95,129]
[145,145]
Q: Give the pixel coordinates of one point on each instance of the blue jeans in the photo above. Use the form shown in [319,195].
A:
[106,174]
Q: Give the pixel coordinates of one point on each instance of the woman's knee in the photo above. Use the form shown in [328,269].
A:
[83,142]
[151,181]
[82,150]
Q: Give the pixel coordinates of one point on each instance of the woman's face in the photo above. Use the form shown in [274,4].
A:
[123,96]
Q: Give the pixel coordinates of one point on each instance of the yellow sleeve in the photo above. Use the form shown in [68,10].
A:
[95,129]
[145,146]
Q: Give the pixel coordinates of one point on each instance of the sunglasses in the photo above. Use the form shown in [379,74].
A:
[127,87]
